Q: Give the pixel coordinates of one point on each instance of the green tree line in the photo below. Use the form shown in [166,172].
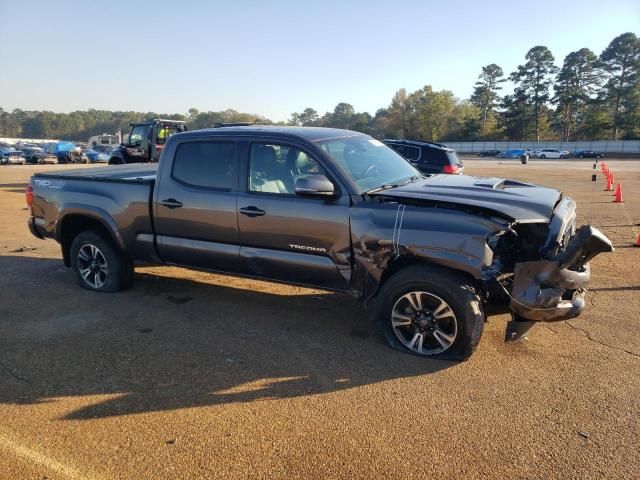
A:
[589,97]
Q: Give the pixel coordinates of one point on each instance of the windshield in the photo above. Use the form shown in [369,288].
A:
[369,162]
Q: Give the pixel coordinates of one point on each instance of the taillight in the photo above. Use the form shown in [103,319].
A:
[452,169]
[29,194]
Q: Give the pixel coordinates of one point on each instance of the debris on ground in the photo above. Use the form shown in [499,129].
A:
[23,249]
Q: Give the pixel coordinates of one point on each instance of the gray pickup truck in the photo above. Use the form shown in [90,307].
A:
[333,209]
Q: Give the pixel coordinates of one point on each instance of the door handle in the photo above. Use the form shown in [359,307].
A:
[171,203]
[252,211]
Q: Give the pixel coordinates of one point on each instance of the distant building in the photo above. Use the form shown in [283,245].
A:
[104,139]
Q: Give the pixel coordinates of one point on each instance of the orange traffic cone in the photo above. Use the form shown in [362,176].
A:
[609,185]
[613,178]
[638,241]
[619,194]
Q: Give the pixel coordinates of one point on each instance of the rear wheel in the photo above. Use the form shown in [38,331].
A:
[543,156]
[430,312]
[98,264]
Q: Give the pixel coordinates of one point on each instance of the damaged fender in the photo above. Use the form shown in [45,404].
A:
[442,236]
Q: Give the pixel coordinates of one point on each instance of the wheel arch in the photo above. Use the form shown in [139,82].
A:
[400,263]
[73,223]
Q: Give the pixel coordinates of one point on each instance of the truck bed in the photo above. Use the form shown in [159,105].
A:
[119,197]
[135,172]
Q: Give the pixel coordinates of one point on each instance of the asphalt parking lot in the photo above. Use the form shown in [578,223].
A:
[193,375]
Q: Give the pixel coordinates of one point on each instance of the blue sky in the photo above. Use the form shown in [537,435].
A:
[276,57]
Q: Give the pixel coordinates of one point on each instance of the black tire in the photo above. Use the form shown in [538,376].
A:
[115,161]
[543,156]
[434,283]
[119,268]
[581,156]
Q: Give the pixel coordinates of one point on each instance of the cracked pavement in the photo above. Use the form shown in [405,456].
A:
[193,375]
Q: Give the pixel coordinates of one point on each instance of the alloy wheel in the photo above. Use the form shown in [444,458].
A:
[424,323]
[92,266]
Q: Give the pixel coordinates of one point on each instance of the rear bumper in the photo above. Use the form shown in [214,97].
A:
[33,228]
[554,290]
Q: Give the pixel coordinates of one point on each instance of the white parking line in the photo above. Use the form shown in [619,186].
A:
[42,459]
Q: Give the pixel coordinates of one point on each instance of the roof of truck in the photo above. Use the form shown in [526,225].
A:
[313,134]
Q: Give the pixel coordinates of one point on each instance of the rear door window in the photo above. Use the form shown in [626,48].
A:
[412,153]
[398,148]
[206,165]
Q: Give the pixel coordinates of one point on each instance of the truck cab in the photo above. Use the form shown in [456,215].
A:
[145,141]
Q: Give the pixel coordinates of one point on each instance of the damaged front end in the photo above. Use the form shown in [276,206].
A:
[552,287]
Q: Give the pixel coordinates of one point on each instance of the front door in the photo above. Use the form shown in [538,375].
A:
[195,204]
[284,236]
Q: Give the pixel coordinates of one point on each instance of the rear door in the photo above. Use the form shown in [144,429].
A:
[195,205]
[284,236]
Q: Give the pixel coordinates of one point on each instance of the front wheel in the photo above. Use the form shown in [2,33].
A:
[430,312]
[98,264]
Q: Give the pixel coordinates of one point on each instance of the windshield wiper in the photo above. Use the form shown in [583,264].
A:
[387,186]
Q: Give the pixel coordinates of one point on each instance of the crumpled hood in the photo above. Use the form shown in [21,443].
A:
[522,202]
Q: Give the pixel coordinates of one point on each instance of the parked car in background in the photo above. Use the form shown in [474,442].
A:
[38,155]
[516,153]
[588,154]
[428,157]
[94,156]
[490,153]
[11,156]
[105,148]
[551,153]
[66,152]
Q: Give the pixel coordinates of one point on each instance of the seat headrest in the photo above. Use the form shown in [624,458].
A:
[296,159]
[263,158]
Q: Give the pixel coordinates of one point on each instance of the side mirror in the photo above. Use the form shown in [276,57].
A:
[315,186]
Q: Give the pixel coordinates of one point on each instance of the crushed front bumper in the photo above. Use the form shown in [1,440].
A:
[553,290]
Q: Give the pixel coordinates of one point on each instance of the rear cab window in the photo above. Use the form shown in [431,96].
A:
[205,165]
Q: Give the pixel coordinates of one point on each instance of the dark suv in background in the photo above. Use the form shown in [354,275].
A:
[428,157]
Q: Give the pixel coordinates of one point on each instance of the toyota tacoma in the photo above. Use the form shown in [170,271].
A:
[333,209]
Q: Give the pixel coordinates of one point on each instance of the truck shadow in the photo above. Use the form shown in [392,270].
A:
[172,343]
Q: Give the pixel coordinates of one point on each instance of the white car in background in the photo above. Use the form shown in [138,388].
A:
[11,157]
[550,153]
